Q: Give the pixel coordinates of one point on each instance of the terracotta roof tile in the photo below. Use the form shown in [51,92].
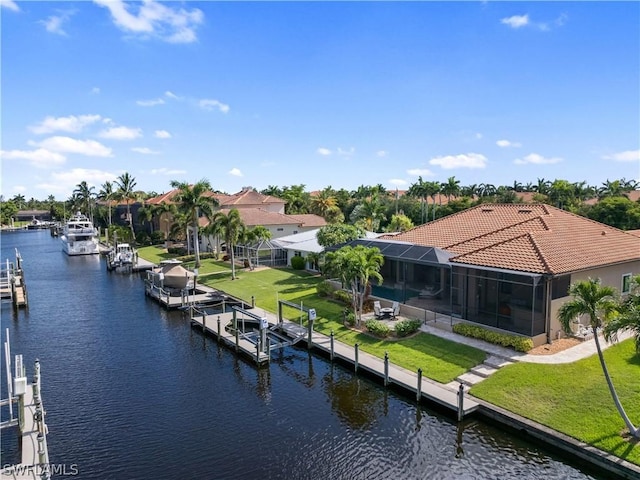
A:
[309,219]
[533,238]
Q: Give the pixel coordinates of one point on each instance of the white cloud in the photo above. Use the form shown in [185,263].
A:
[626,156]
[150,103]
[382,153]
[155,19]
[162,134]
[167,171]
[536,159]
[346,153]
[398,182]
[10,4]
[323,151]
[70,124]
[468,160]
[95,91]
[210,104]
[121,133]
[478,136]
[65,182]
[516,21]
[235,172]
[90,148]
[507,143]
[420,172]
[40,158]
[53,24]
[171,95]
[144,151]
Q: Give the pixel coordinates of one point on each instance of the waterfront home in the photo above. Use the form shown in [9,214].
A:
[507,266]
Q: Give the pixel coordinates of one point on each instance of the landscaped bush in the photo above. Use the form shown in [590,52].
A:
[342,296]
[377,328]
[177,250]
[325,289]
[520,344]
[407,327]
[298,263]
[349,317]
[143,238]
[157,237]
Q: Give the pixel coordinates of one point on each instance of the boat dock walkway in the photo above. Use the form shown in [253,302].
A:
[12,286]
[422,387]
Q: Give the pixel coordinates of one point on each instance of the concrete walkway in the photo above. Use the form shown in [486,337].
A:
[583,350]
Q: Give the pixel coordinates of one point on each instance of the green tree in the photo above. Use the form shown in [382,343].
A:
[7,211]
[84,193]
[297,199]
[19,201]
[323,202]
[599,304]
[194,201]
[399,223]
[107,194]
[619,212]
[231,227]
[451,188]
[338,233]
[125,184]
[355,266]
[629,316]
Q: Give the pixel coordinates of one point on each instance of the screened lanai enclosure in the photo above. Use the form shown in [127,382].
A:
[425,277]
[263,253]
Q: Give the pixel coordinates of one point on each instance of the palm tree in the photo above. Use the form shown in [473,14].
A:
[193,201]
[451,188]
[629,318]
[84,193]
[107,194]
[19,201]
[418,190]
[297,199]
[322,203]
[356,266]
[254,236]
[231,227]
[599,303]
[126,184]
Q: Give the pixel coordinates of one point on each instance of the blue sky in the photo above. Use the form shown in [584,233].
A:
[322,93]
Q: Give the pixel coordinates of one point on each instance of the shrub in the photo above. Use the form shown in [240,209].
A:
[407,327]
[143,238]
[377,328]
[157,237]
[518,343]
[325,289]
[349,317]
[342,296]
[298,263]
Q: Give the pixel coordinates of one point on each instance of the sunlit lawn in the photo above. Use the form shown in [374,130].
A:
[574,398]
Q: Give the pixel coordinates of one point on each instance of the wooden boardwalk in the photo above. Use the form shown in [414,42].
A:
[389,373]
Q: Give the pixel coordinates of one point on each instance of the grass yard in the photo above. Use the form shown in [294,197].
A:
[574,398]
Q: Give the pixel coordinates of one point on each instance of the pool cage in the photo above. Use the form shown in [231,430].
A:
[262,253]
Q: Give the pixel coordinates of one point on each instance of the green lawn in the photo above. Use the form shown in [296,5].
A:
[574,398]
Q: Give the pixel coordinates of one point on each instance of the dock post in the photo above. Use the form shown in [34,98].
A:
[419,387]
[258,351]
[357,348]
[268,349]
[237,340]
[253,301]
[219,337]
[386,368]
[310,334]
[204,323]
[331,342]
[460,402]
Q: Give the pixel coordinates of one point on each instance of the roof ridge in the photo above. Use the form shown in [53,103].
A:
[493,232]
[541,256]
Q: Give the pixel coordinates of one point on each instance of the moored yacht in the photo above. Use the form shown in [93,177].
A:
[79,236]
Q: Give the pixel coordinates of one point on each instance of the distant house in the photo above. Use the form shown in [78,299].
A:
[29,215]
[507,266]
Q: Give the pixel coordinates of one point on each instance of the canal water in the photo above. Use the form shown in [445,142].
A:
[132,392]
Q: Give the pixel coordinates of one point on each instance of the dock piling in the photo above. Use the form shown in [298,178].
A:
[419,386]
[356,349]
[460,402]
[204,323]
[386,368]
[219,336]
[331,343]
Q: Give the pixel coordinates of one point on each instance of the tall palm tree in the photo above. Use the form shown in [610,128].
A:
[84,193]
[418,190]
[599,303]
[193,201]
[451,188]
[322,203]
[431,189]
[629,318]
[107,194]
[126,184]
[231,226]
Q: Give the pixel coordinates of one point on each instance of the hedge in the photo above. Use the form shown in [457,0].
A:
[377,328]
[520,344]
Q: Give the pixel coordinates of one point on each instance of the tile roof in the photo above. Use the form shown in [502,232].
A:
[531,238]
[244,197]
[309,219]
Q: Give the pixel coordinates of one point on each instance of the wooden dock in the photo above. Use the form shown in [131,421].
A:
[390,374]
[12,286]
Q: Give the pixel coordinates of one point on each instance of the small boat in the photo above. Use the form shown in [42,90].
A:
[121,258]
[171,275]
[79,236]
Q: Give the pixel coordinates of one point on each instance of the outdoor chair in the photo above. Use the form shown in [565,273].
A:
[396,309]
[376,309]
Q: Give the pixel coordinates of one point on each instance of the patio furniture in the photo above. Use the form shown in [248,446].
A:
[377,310]
[395,309]
[386,312]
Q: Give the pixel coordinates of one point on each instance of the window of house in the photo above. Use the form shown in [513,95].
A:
[297,254]
[295,231]
[626,283]
[280,229]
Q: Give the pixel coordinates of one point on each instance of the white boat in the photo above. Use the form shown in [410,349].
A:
[122,257]
[79,236]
